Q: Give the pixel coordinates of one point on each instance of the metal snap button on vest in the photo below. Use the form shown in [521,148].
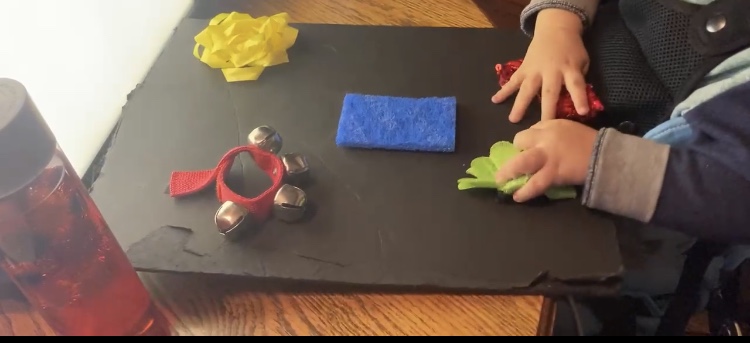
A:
[627,127]
[716,23]
[232,220]
[289,204]
[266,138]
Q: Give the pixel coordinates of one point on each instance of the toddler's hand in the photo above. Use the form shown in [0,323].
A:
[557,153]
[555,57]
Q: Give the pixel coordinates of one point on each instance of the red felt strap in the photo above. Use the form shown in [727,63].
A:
[184,183]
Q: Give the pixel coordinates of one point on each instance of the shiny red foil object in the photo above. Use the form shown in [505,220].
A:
[565,107]
[61,254]
[184,183]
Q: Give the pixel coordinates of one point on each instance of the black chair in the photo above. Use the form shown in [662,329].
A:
[722,307]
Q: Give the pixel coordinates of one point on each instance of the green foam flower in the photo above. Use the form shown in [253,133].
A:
[483,170]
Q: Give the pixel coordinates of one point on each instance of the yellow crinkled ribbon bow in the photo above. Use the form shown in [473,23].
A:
[243,46]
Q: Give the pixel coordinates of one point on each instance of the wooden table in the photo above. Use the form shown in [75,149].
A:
[196,305]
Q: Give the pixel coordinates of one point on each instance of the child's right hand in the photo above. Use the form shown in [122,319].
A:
[555,57]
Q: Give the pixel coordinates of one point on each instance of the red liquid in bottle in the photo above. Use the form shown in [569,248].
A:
[64,258]
[54,243]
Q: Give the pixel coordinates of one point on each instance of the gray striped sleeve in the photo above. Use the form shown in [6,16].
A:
[625,175]
[584,9]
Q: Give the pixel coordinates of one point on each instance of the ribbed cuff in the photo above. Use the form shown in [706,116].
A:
[625,176]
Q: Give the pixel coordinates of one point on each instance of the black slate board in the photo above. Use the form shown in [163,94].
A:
[382,218]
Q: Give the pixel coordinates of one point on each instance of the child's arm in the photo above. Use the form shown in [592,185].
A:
[702,189]
[556,57]
[584,9]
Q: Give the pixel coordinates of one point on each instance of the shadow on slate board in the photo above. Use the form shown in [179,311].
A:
[382,218]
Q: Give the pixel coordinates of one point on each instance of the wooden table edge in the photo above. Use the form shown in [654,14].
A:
[546,317]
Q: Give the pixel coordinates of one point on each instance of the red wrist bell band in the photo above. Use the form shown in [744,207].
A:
[565,107]
[184,183]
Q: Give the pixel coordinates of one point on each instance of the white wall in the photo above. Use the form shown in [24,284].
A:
[79,60]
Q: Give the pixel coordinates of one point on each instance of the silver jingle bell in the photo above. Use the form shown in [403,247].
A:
[232,220]
[296,167]
[290,203]
[266,138]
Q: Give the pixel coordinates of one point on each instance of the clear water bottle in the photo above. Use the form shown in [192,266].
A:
[54,244]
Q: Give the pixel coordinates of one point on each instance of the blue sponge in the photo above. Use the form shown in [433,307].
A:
[395,123]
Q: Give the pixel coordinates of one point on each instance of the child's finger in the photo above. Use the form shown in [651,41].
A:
[525,96]
[527,162]
[506,91]
[550,94]
[576,86]
[537,185]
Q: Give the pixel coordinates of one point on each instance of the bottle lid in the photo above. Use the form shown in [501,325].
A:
[26,142]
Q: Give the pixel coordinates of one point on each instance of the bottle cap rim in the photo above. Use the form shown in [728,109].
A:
[27,145]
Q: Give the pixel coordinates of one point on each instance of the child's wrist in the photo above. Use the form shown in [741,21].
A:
[556,20]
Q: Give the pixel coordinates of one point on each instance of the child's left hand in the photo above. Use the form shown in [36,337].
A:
[557,153]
